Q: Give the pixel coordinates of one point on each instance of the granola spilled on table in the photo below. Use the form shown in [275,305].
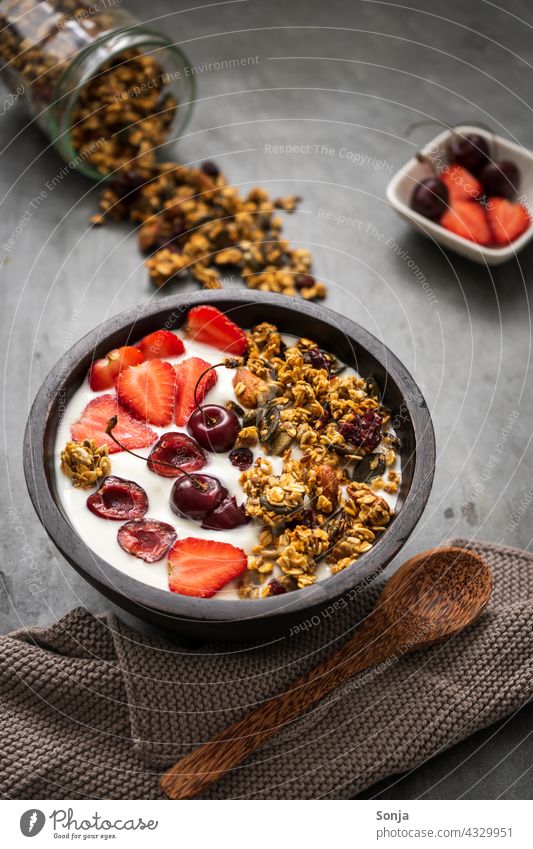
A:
[191,221]
[332,433]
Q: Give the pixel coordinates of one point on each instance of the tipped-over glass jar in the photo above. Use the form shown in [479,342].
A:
[105,89]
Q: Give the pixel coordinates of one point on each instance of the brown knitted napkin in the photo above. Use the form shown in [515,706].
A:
[92,708]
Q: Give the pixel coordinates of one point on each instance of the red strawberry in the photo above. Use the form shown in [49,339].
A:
[147,539]
[468,220]
[461,184]
[93,422]
[201,567]
[188,373]
[148,391]
[160,345]
[208,325]
[104,372]
[507,220]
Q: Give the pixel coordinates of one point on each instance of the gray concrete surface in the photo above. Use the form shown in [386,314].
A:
[346,77]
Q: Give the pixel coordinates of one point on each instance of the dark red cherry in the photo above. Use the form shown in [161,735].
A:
[194,496]
[430,198]
[500,179]
[226,516]
[175,453]
[147,539]
[214,428]
[118,499]
[471,151]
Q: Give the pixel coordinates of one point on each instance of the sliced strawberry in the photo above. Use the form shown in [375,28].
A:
[212,327]
[468,220]
[461,184]
[160,345]
[174,454]
[188,373]
[93,422]
[104,372]
[118,499]
[201,567]
[148,391]
[507,220]
[147,539]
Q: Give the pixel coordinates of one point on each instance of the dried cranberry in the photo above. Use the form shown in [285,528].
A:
[210,169]
[304,281]
[175,453]
[127,183]
[364,431]
[316,358]
[118,499]
[242,458]
[275,588]
[147,539]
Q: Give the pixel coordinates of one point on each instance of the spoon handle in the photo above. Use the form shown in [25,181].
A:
[372,644]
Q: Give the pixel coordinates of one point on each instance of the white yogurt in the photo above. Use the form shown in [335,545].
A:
[101,534]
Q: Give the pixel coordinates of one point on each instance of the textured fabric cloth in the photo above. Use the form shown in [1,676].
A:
[92,708]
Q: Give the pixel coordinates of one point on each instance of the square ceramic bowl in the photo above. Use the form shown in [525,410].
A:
[211,618]
[401,187]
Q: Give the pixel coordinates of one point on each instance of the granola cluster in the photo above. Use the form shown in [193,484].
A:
[319,500]
[122,113]
[85,463]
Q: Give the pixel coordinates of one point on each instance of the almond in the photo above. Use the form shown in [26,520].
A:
[327,483]
[251,391]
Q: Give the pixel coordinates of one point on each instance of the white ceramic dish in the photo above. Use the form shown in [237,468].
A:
[401,186]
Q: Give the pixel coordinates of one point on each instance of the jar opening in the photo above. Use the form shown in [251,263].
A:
[87,142]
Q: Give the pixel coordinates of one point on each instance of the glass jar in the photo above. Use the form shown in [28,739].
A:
[55,52]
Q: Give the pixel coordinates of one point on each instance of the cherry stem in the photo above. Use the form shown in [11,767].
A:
[453,128]
[111,425]
[230,362]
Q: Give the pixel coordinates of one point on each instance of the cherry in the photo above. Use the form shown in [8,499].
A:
[226,516]
[214,428]
[194,496]
[175,453]
[118,499]
[470,151]
[430,198]
[147,539]
[500,179]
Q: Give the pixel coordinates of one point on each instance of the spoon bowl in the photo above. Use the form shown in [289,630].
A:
[437,593]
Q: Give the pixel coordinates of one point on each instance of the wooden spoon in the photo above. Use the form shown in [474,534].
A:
[433,596]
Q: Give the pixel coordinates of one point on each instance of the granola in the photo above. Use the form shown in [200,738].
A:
[314,508]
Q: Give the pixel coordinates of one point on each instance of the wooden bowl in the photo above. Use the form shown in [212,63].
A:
[232,619]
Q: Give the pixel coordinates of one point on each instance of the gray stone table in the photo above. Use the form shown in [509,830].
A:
[344,79]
